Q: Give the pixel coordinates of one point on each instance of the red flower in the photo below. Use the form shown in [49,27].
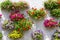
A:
[24,28]
[29,27]
[18,29]
[32,13]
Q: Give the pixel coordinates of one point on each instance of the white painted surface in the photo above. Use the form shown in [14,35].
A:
[37,24]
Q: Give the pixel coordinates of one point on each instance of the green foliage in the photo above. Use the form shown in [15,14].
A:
[0,35]
[23,25]
[37,14]
[51,5]
[8,5]
[56,36]
[55,13]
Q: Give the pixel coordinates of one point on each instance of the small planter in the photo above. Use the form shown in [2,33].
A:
[16,16]
[37,35]
[15,35]
[8,25]
[23,25]
[8,5]
[55,13]
[56,35]
[51,5]
[36,14]
[50,23]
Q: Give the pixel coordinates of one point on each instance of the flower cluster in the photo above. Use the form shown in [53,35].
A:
[50,23]
[51,5]
[55,13]
[8,25]
[16,16]
[15,35]
[36,14]
[56,35]
[37,35]
[8,5]
[23,25]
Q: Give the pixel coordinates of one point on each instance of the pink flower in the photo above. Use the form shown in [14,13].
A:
[50,23]
[0,15]
[16,16]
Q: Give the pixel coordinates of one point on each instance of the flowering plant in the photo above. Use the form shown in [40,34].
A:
[8,25]
[37,35]
[23,25]
[56,35]
[20,5]
[50,23]
[51,5]
[36,14]
[16,16]
[55,13]
[15,35]
[8,5]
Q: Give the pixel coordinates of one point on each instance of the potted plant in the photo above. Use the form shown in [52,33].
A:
[50,23]
[37,14]
[37,35]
